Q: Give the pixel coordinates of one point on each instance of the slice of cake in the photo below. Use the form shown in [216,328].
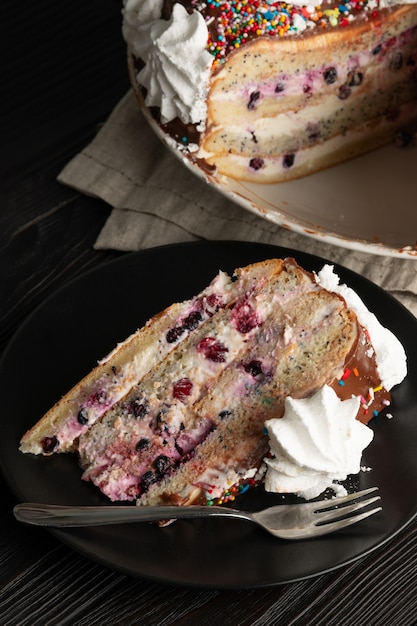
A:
[270,91]
[190,423]
[194,425]
[287,336]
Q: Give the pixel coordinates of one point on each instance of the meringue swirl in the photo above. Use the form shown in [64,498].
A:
[317,441]
[177,64]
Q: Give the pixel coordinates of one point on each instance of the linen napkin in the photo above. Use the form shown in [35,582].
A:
[156,200]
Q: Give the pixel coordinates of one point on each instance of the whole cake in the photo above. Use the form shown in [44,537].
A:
[177,413]
[269,91]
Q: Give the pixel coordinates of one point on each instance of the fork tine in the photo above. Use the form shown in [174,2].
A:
[325,529]
[342,511]
[328,504]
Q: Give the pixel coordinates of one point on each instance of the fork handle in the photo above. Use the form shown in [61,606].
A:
[56,516]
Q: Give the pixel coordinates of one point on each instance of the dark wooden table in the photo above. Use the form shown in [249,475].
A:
[62,71]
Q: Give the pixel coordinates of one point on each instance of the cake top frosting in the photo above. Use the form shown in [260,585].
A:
[236,23]
[233,23]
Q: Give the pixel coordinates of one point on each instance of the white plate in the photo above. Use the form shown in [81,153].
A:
[367,204]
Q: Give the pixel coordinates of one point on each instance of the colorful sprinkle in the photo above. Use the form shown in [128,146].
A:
[230,493]
[239,21]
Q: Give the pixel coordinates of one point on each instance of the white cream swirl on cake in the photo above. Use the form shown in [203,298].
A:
[177,65]
[316,442]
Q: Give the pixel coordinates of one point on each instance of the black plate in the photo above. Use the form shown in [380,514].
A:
[80,323]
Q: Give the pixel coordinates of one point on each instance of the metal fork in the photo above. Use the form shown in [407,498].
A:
[288,521]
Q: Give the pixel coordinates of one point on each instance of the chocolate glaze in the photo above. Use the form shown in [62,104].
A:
[361,379]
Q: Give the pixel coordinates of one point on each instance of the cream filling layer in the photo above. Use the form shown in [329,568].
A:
[307,158]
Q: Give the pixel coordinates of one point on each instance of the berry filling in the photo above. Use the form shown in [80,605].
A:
[254,368]
[330,75]
[49,444]
[182,389]
[288,161]
[256,164]
[244,317]
[143,444]
[174,334]
[138,409]
[192,320]
[212,349]
[82,417]
[253,98]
